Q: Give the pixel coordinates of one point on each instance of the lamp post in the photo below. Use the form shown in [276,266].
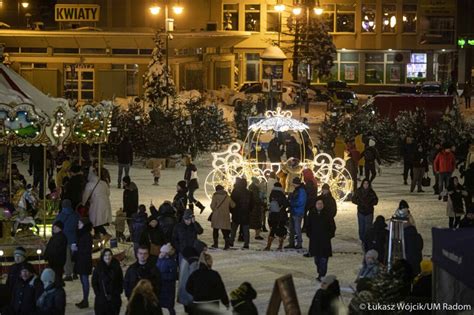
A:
[279,7]
[21,4]
[169,27]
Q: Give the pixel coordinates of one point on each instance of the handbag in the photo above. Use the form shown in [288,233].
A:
[426,181]
[83,209]
[210,216]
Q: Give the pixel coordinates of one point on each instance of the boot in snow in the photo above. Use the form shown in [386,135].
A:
[269,243]
[280,243]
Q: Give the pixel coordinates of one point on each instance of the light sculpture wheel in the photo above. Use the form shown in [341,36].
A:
[236,162]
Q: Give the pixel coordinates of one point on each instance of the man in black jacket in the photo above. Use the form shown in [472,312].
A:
[14,272]
[55,252]
[26,291]
[185,233]
[408,154]
[143,268]
[130,200]
[125,158]
[75,186]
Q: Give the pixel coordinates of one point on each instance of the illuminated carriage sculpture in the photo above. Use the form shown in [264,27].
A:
[237,160]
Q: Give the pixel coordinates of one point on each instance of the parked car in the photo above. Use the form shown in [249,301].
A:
[254,91]
[408,89]
[431,88]
[344,100]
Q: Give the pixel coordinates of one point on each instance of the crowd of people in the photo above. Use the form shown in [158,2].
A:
[173,265]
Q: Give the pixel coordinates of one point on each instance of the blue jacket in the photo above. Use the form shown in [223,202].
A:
[168,268]
[298,201]
[69,218]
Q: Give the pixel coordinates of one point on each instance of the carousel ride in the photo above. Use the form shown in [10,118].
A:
[248,159]
[28,118]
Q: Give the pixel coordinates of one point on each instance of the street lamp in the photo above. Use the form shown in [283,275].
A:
[318,10]
[280,7]
[169,26]
[297,10]
[25,4]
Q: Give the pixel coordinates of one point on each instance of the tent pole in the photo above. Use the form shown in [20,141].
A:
[100,161]
[45,179]
[10,180]
[80,154]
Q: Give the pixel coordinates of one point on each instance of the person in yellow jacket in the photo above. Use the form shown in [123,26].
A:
[63,172]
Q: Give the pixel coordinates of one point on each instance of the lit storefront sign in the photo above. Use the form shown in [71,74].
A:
[76,13]
[465,41]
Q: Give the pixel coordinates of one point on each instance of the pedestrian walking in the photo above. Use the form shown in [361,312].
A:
[408,153]
[168,269]
[206,287]
[366,199]
[130,200]
[26,292]
[376,238]
[420,167]
[243,200]
[467,93]
[144,300]
[191,178]
[82,257]
[139,223]
[297,208]
[186,233]
[180,200]
[455,206]
[371,157]
[70,219]
[124,158]
[444,164]
[277,217]
[220,217]
[55,252]
[257,210]
[107,283]
[319,231]
[53,299]
[97,191]
[20,259]
[143,268]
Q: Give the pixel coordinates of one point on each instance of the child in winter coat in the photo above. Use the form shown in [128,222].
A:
[168,268]
[370,268]
[120,218]
[156,171]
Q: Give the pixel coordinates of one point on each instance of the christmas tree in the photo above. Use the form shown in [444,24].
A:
[242,111]
[220,132]
[329,130]
[413,124]
[311,43]
[158,83]
[452,129]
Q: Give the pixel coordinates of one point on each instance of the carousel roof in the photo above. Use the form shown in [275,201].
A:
[278,121]
[16,90]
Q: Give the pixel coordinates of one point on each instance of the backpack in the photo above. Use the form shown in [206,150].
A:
[274,206]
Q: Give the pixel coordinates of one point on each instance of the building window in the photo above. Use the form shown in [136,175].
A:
[368,18]
[389,18]
[132,77]
[273,20]
[409,18]
[231,17]
[440,30]
[349,67]
[252,67]
[394,73]
[345,18]
[79,83]
[416,69]
[328,17]
[374,73]
[28,65]
[252,18]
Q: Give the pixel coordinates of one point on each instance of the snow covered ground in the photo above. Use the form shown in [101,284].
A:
[262,268]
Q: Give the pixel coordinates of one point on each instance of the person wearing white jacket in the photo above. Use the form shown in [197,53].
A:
[100,210]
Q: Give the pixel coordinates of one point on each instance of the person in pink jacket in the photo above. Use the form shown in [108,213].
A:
[444,165]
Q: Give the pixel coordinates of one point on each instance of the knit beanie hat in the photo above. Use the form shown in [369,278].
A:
[167,249]
[244,292]
[20,251]
[403,205]
[372,253]
[326,186]
[182,184]
[371,142]
[188,214]
[48,276]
